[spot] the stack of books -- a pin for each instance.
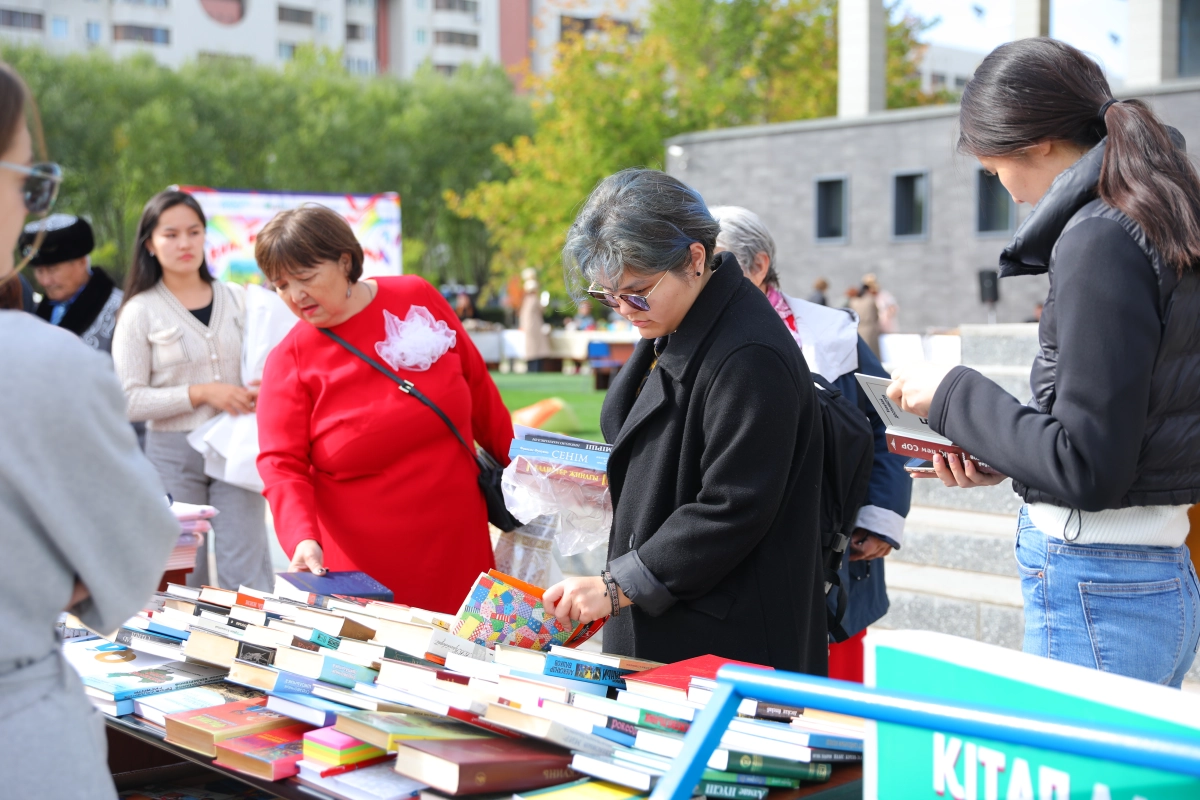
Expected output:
(365, 698)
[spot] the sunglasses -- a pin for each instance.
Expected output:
(41, 184)
(639, 301)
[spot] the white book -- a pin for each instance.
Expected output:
(619, 772)
(474, 667)
(678, 710)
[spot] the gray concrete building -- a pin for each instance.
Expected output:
(885, 191)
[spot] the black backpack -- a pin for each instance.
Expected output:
(848, 455)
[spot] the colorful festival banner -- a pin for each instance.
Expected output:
(236, 217)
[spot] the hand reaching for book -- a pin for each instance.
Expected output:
(961, 473)
(308, 557)
(580, 600)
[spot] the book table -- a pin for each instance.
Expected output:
(138, 749)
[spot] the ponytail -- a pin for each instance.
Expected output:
(1036, 90)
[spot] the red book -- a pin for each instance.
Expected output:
(201, 729)
(479, 766)
(249, 601)
(919, 447)
(271, 755)
(670, 682)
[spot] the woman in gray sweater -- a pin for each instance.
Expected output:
(84, 523)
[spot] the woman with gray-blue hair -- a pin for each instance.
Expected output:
(716, 463)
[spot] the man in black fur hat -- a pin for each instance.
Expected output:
(78, 296)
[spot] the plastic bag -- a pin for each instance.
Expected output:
(528, 552)
(417, 341)
(574, 500)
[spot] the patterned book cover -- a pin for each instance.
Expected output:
(495, 612)
(272, 755)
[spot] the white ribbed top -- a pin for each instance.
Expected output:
(1149, 526)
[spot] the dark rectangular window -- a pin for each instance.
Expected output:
(831, 209)
(469, 6)
(445, 69)
(910, 200)
(141, 33)
(21, 19)
(995, 206)
(355, 32)
(300, 16)
(456, 38)
(1189, 38)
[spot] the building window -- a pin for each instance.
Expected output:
(831, 209)
(469, 6)
(456, 38)
(1189, 38)
(996, 212)
(141, 33)
(360, 66)
(93, 32)
(420, 36)
(287, 51)
(58, 28)
(299, 16)
(910, 205)
(226, 12)
(355, 32)
(569, 25)
(937, 81)
(323, 23)
(445, 69)
(21, 19)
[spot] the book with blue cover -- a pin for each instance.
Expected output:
(559, 454)
(270, 679)
(579, 670)
(316, 711)
(305, 587)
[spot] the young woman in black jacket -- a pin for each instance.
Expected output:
(1107, 454)
(715, 470)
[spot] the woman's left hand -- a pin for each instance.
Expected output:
(962, 473)
(914, 386)
(580, 600)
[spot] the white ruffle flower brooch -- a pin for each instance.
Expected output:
(415, 342)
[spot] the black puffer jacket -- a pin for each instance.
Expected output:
(1115, 416)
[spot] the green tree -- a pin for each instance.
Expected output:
(616, 95)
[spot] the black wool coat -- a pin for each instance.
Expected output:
(715, 476)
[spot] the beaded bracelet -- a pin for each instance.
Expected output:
(614, 595)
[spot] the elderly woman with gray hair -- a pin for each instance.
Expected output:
(717, 444)
(829, 340)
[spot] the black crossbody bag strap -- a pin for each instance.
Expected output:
(405, 386)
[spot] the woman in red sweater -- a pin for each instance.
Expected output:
(359, 475)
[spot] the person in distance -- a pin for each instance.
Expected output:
(84, 521)
(1107, 453)
(361, 476)
(716, 464)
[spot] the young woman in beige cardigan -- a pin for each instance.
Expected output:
(177, 349)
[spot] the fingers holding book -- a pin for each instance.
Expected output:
(954, 471)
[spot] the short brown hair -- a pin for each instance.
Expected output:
(303, 237)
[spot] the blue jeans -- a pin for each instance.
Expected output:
(1127, 609)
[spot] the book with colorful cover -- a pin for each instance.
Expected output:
(271, 755)
(580, 670)
(503, 610)
(200, 730)
(309, 588)
(156, 707)
(559, 454)
(387, 730)
(115, 672)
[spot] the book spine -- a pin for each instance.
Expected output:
(749, 764)
(920, 448)
(561, 667)
(250, 601)
(614, 735)
(342, 673)
(820, 741)
(442, 643)
(774, 711)
(773, 781)
(519, 776)
(579, 445)
(825, 756)
(661, 722)
(305, 644)
(291, 682)
(325, 640)
(572, 739)
(735, 791)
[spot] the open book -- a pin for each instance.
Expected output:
(907, 434)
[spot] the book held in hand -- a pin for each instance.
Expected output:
(907, 434)
(310, 589)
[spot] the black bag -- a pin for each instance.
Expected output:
(848, 455)
(490, 471)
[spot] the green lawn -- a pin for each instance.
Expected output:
(519, 391)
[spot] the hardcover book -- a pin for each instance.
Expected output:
(308, 588)
(907, 434)
(388, 730)
(670, 682)
(306, 708)
(114, 672)
(156, 707)
(484, 765)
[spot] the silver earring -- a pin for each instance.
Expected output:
(349, 289)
